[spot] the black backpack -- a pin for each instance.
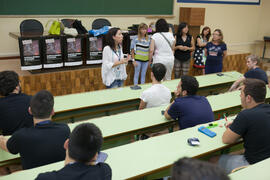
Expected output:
(79, 27)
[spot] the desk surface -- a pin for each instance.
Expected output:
(136, 120)
(16, 35)
(258, 171)
(143, 157)
(109, 96)
(158, 152)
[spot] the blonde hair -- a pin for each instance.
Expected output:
(142, 26)
(221, 36)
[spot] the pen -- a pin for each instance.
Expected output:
(225, 117)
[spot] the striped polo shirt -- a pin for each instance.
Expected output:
(141, 48)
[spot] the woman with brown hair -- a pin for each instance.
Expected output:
(199, 54)
(183, 47)
(113, 69)
(215, 51)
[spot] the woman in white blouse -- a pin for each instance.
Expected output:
(113, 62)
(161, 47)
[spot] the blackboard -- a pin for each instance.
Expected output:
(86, 7)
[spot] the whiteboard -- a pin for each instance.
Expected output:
(249, 2)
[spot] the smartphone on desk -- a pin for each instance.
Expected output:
(220, 74)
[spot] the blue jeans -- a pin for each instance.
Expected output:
(116, 83)
(141, 67)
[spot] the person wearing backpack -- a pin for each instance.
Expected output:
(161, 47)
(183, 48)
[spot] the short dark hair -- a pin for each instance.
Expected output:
(85, 141)
(194, 169)
(109, 37)
(9, 80)
(255, 88)
(159, 71)
(41, 104)
(162, 26)
(190, 84)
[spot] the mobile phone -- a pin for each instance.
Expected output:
(220, 74)
(101, 157)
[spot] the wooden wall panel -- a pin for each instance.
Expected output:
(84, 80)
(235, 62)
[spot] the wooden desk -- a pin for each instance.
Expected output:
(258, 171)
(110, 101)
(16, 35)
(148, 157)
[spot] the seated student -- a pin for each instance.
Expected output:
(13, 105)
(81, 153)
(253, 72)
(188, 108)
(194, 169)
(252, 124)
(157, 94)
(43, 143)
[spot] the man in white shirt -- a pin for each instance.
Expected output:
(157, 94)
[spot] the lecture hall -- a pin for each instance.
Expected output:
(143, 90)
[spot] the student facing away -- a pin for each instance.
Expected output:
(188, 108)
(157, 94)
(81, 153)
(14, 105)
(43, 143)
(194, 169)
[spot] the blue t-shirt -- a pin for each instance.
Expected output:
(215, 53)
(191, 111)
(257, 73)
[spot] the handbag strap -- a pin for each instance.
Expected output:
(167, 40)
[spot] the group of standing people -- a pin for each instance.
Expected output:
(208, 55)
(174, 52)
